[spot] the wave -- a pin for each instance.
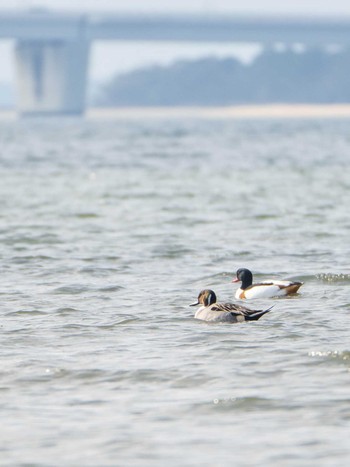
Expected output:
(331, 277)
(332, 354)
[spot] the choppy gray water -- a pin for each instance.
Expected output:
(110, 229)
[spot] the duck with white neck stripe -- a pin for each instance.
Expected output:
(224, 312)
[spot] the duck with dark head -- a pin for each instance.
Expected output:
(264, 289)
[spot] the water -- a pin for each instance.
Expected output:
(109, 229)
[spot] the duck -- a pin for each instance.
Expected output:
(224, 312)
(263, 289)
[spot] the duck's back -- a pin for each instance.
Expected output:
(209, 314)
(268, 289)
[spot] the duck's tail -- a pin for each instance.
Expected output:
(258, 314)
(294, 287)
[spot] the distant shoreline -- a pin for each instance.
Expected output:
(232, 112)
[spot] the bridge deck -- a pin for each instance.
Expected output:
(46, 25)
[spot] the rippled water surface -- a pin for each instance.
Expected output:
(109, 229)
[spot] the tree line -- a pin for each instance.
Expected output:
(313, 76)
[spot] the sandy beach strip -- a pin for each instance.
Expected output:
(232, 112)
(272, 111)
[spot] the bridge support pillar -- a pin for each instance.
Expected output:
(51, 76)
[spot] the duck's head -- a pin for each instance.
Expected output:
(206, 297)
(243, 275)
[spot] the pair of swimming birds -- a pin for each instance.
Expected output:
(210, 310)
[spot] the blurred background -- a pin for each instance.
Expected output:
(119, 71)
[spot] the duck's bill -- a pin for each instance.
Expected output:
(235, 279)
(194, 304)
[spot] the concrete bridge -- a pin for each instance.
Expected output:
(52, 49)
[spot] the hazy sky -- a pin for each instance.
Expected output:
(114, 57)
(258, 6)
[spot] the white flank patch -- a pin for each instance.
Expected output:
(263, 291)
